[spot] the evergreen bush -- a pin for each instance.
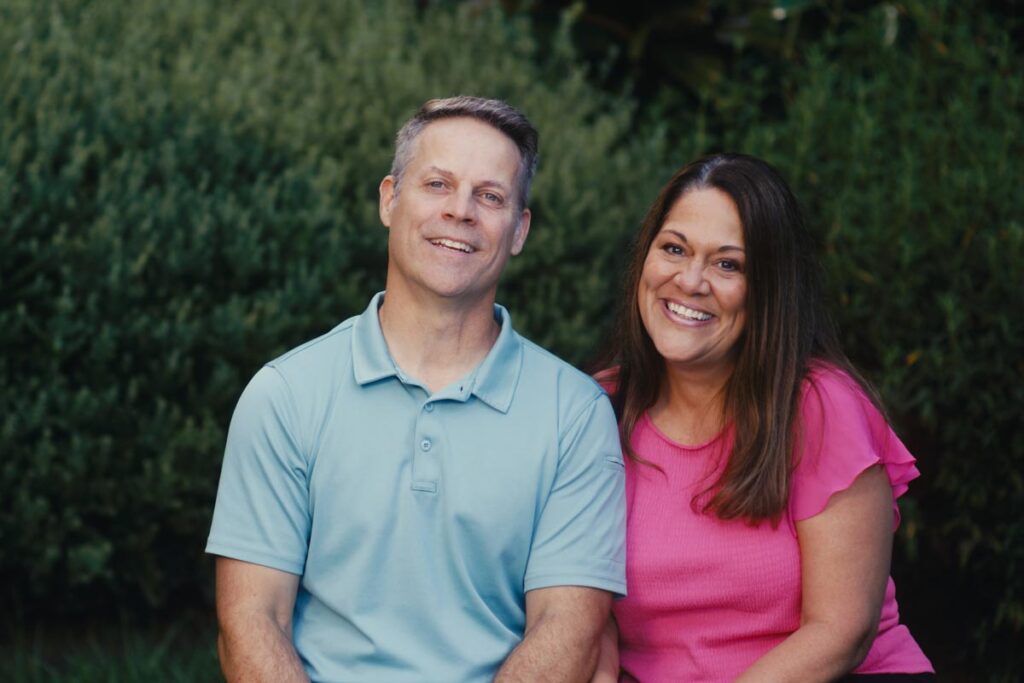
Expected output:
(903, 136)
(188, 188)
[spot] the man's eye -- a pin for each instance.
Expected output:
(436, 184)
(492, 198)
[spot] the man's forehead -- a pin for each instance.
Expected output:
(448, 142)
(466, 123)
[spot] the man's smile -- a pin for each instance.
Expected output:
(452, 244)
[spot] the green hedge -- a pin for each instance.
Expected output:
(910, 157)
(188, 188)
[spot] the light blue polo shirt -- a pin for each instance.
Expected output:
(417, 522)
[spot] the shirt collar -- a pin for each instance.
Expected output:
(371, 360)
(493, 381)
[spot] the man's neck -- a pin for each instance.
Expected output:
(436, 341)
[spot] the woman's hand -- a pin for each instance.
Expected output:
(844, 559)
(608, 663)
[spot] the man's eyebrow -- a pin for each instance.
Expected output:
(724, 247)
(495, 184)
(484, 183)
(440, 171)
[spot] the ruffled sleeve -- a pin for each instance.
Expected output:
(843, 434)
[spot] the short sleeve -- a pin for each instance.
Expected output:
(580, 539)
(842, 434)
(262, 510)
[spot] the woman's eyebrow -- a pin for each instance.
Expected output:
(724, 247)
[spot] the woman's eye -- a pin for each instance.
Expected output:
(729, 265)
(673, 249)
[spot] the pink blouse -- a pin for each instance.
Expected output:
(708, 597)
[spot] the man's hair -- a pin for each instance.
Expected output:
(503, 117)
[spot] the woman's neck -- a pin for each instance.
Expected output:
(691, 407)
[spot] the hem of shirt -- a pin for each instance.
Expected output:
(255, 557)
(612, 585)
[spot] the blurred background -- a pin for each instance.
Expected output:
(188, 188)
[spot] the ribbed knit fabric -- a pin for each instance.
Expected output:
(706, 597)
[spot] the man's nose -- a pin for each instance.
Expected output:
(460, 206)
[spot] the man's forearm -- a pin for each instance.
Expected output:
(553, 652)
(258, 650)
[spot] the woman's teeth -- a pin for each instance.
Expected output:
(688, 313)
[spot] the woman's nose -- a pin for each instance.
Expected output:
(691, 277)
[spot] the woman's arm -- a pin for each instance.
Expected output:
(844, 559)
(608, 663)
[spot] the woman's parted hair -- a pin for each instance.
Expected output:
(787, 327)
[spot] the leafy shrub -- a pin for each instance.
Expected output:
(903, 136)
(189, 189)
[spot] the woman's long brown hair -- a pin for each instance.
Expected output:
(787, 329)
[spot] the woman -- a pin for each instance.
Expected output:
(762, 475)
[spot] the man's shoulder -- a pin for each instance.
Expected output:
(542, 365)
(313, 358)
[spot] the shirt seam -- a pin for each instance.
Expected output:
(293, 405)
(587, 408)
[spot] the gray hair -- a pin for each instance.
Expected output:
(504, 117)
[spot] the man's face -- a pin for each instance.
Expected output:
(456, 219)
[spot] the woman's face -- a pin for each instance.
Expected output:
(692, 293)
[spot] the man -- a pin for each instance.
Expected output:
(421, 494)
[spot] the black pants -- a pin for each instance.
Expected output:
(888, 678)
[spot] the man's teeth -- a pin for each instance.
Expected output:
(452, 244)
(685, 312)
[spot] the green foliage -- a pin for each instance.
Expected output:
(907, 149)
(180, 651)
(188, 188)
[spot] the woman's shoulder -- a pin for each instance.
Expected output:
(608, 379)
(843, 433)
(836, 408)
(831, 377)
(829, 392)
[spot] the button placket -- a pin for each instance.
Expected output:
(426, 467)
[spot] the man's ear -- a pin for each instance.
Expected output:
(521, 231)
(387, 199)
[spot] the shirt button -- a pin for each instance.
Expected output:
(429, 407)
(425, 444)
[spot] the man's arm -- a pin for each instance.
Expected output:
(254, 613)
(563, 636)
